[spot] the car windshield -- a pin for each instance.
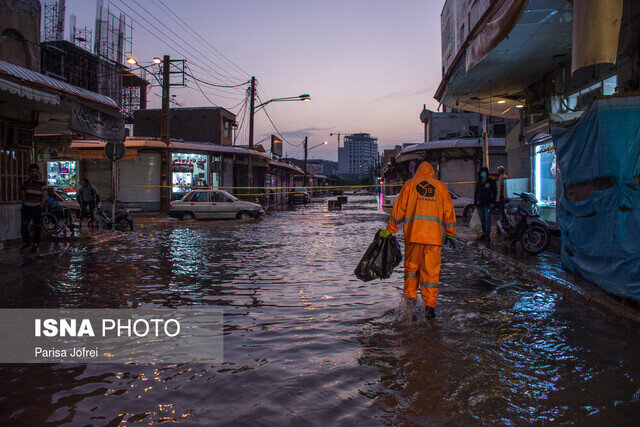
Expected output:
(230, 196)
(301, 190)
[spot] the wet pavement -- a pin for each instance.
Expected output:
(306, 342)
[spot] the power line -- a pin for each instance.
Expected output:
(216, 85)
(173, 43)
(276, 128)
(205, 57)
(279, 119)
(204, 40)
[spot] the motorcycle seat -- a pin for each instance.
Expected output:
(511, 208)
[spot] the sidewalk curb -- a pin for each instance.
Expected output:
(591, 293)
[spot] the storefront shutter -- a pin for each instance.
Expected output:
(139, 181)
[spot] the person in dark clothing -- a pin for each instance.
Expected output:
(502, 176)
(88, 197)
(484, 200)
(33, 198)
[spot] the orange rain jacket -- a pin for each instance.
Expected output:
(424, 206)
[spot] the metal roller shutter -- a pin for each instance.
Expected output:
(139, 181)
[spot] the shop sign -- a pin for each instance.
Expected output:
(183, 164)
(91, 122)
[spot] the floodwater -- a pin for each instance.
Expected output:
(306, 342)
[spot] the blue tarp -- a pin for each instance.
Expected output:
(601, 235)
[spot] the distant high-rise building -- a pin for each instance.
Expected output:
(358, 154)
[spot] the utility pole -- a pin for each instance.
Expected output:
(485, 142)
(251, 115)
(165, 190)
(306, 151)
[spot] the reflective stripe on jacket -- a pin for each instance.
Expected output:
(424, 206)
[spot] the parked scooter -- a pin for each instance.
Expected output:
(523, 224)
(123, 218)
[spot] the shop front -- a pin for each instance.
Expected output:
(544, 174)
(63, 174)
(189, 170)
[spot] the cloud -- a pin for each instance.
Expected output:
(299, 133)
(403, 94)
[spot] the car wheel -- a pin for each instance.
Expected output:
(187, 216)
(467, 212)
(243, 215)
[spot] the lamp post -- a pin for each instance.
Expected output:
(307, 149)
(252, 111)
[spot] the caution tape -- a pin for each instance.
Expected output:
(317, 187)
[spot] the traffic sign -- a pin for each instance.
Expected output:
(412, 166)
(114, 151)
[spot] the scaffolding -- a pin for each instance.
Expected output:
(81, 37)
(98, 65)
(113, 44)
(54, 20)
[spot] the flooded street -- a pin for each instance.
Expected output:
(307, 342)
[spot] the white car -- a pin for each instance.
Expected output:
(70, 202)
(462, 205)
(213, 204)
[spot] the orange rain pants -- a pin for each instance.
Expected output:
(422, 269)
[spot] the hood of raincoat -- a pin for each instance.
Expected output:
(425, 170)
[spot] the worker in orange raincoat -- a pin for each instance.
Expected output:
(424, 207)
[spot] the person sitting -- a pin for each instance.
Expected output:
(102, 217)
(53, 206)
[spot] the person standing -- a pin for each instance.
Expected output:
(87, 196)
(33, 198)
(485, 199)
(502, 175)
(424, 206)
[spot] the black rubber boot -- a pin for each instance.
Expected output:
(430, 312)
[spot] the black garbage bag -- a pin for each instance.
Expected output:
(381, 257)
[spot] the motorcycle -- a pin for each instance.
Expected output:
(123, 220)
(523, 224)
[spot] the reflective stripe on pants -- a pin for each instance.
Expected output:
(422, 270)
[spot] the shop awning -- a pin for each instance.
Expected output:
(32, 78)
(294, 169)
(411, 152)
(85, 154)
(500, 64)
(137, 142)
(29, 93)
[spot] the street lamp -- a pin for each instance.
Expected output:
(252, 111)
(307, 149)
(304, 97)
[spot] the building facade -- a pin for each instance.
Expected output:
(358, 155)
(541, 62)
(213, 125)
(39, 115)
(454, 123)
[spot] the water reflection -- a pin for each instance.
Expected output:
(306, 342)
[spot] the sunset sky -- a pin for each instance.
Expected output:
(369, 65)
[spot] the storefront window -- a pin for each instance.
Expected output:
(63, 175)
(545, 179)
(188, 171)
